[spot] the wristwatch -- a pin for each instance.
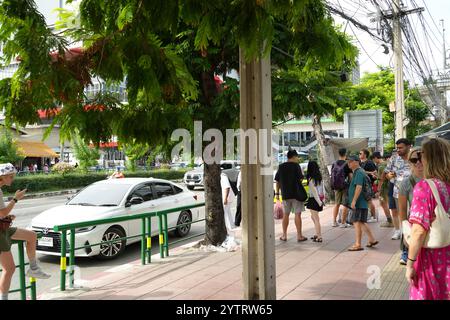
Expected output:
(15, 200)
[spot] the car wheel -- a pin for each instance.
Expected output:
(182, 231)
(114, 249)
(191, 187)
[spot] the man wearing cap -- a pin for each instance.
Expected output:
(289, 178)
(8, 233)
(359, 205)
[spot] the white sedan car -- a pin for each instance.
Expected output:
(113, 198)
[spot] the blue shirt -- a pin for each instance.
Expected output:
(357, 180)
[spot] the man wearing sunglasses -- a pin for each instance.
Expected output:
(396, 171)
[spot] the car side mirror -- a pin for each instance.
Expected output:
(133, 201)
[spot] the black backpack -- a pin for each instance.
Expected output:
(367, 190)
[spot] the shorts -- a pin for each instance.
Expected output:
(341, 197)
(359, 215)
(312, 204)
(392, 204)
(5, 239)
(293, 205)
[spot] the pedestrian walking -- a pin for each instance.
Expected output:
(316, 198)
(359, 205)
(371, 170)
(396, 171)
(8, 233)
(428, 270)
(383, 189)
(405, 194)
(227, 198)
(340, 180)
(238, 216)
(289, 178)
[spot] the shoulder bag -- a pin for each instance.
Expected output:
(439, 233)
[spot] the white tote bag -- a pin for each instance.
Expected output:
(439, 233)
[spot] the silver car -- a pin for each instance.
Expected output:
(194, 178)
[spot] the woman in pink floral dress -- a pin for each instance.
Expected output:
(428, 270)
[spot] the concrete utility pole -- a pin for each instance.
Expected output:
(258, 239)
(400, 113)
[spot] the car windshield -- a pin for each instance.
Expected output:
(101, 194)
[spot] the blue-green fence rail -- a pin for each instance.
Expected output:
(145, 235)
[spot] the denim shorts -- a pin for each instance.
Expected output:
(392, 204)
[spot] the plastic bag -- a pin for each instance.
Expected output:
(278, 211)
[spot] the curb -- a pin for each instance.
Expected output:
(57, 193)
(44, 194)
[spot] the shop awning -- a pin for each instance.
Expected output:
(35, 149)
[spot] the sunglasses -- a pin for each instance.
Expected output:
(416, 160)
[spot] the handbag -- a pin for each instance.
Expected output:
(278, 211)
(5, 223)
(439, 234)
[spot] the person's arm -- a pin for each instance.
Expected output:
(313, 189)
(227, 193)
(402, 207)
(277, 191)
(358, 190)
(7, 209)
(418, 235)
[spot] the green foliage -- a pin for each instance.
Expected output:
(50, 182)
(134, 152)
(87, 156)
(9, 151)
(377, 91)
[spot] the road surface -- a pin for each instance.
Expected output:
(26, 210)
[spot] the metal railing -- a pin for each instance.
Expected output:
(22, 277)
(145, 235)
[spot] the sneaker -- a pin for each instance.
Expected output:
(335, 224)
(38, 274)
(372, 220)
(403, 262)
(349, 225)
(387, 224)
(344, 225)
(397, 235)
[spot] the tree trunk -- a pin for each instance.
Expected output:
(323, 157)
(216, 231)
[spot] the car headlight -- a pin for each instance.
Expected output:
(85, 229)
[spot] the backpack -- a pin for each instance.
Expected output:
(367, 190)
(338, 177)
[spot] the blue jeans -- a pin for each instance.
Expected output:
(404, 255)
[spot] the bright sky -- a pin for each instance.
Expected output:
(371, 53)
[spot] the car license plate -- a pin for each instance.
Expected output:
(45, 242)
(191, 183)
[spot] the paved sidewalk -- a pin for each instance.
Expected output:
(307, 270)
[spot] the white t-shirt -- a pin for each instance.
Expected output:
(239, 181)
(225, 184)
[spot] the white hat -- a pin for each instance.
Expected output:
(7, 169)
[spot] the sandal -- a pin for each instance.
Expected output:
(372, 244)
(313, 238)
(302, 239)
(355, 248)
(318, 239)
(283, 238)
